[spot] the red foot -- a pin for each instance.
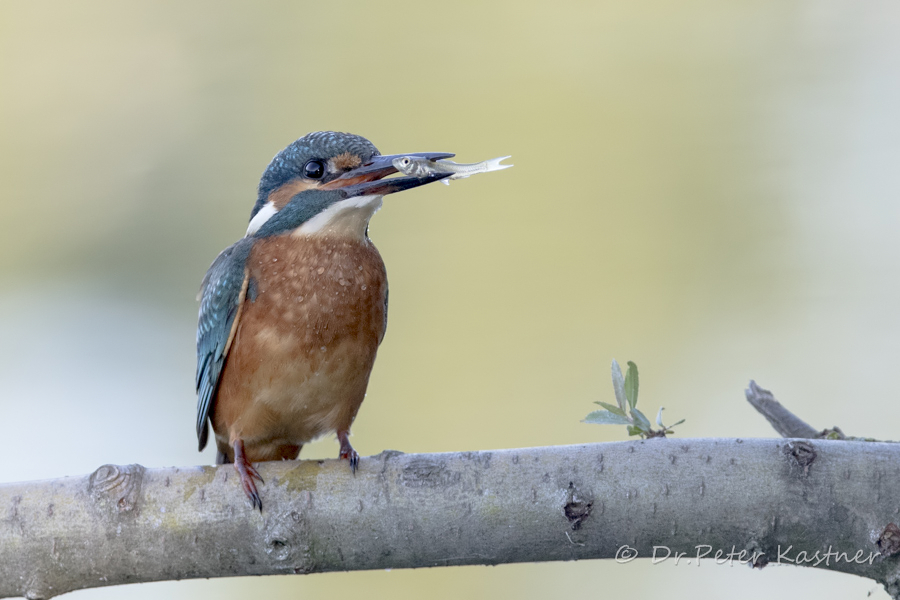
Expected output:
(347, 451)
(247, 474)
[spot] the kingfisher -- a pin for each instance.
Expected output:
(291, 316)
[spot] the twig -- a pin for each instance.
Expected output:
(789, 425)
(786, 423)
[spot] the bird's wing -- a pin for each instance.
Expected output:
(222, 294)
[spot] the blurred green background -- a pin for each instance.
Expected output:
(709, 189)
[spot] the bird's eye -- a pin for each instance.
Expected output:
(314, 169)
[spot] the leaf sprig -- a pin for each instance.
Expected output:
(625, 411)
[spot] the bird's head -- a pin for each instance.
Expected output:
(328, 181)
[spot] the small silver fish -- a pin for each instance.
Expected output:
(417, 166)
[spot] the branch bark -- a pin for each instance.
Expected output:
(797, 501)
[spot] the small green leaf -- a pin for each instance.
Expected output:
(640, 420)
(632, 430)
(631, 384)
(605, 417)
(619, 385)
(674, 424)
(659, 417)
(613, 409)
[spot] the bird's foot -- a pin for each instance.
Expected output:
(347, 451)
(247, 473)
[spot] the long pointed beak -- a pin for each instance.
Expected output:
(382, 187)
(366, 179)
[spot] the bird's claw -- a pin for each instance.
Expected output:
(353, 457)
(248, 473)
(347, 452)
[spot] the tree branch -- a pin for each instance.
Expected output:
(776, 500)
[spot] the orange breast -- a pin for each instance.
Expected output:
(301, 357)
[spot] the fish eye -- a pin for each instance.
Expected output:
(405, 161)
(314, 169)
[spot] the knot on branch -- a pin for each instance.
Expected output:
(576, 509)
(889, 540)
(278, 548)
(803, 454)
(758, 557)
(117, 487)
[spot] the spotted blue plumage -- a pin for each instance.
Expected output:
(219, 302)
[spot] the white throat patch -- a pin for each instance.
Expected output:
(348, 217)
(259, 219)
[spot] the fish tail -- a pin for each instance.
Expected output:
(494, 164)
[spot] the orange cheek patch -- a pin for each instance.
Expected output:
(345, 162)
(281, 196)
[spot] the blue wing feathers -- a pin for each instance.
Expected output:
(220, 298)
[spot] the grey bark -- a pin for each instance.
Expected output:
(800, 501)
